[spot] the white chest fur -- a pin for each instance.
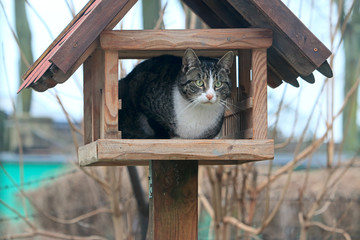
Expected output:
(193, 120)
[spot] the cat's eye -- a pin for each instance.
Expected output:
(199, 83)
(218, 84)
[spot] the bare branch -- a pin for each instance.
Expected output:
(233, 221)
(23, 58)
(324, 227)
(206, 205)
(30, 224)
(74, 129)
(160, 21)
(51, 235)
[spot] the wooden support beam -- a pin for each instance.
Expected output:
(206, 39)
(259, 91)
(244, 68)
(110, 99)
(88, 105)
(173, 200)
(97, 86)
(93, 83)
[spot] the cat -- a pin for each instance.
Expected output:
(168, 97)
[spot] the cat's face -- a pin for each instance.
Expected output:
(205, 80)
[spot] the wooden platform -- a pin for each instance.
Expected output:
(119, 152)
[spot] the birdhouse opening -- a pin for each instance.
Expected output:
(237, 122)
(244, 131)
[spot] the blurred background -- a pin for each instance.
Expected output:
(310, 190)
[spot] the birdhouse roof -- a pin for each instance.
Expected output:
(295, 51)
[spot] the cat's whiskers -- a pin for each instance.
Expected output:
(191, 105)
(226, 105)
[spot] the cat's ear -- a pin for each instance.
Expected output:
(226, 61)
(190, 60)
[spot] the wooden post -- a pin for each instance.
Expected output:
(93, 83)
(259, 91)
(110, 98)
(97, 86)
(88, 104)
(173, 200)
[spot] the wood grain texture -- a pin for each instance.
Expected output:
(138, 152)
(87, 153)
(245, 117)
(88, 105)
(292, 40)
(274, 79)
(281, 67)
(144, 54)
(249, 13)
(98, 69)
(293, 28)
(244, 66)
(174, 200)
(60, 77)
(183, 39)
(58, 38)
(259, 88)
(94, 75)
(110, 97)
(230, 124)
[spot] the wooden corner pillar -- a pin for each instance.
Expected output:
(173, 196)
(259, 93)
(110, 98)
(101, 101)
(93, 75)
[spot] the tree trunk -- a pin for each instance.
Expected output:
(24, 35)
(352, 52)
(151, 13)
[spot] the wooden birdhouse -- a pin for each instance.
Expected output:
(271, 47)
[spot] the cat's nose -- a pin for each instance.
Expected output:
(209, 96)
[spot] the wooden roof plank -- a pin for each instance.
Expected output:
(42, 65)
(293, 28)
(274, 80)
(310, 78)
(81, 38)
(292, 40)
(325, 70)
(59, 37)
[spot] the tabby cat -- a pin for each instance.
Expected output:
(173, 97)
